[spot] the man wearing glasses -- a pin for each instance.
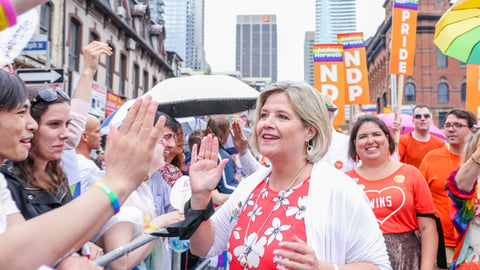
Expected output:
(438, 164)
(414, 146)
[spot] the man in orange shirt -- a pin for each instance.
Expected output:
(438, 164)
(413, 147)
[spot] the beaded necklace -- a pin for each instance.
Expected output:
(243, 258)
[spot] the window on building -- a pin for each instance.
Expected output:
(442, 61)
(409, 92)
(74, 45)
(441, 118)
(462, 65)
(46, 19)
(110, 68)
(145, 81)
(463, 90)
(154, 81)
(93, 36)
(123, 73)
(442, 93)
(384, 99)
(135, 81)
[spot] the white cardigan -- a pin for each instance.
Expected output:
(339, 222)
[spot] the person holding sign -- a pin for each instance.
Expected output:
(413, 147)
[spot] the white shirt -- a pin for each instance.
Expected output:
(337, 154)
(88, 172)
(7, 205)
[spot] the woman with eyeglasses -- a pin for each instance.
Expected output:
(398, 194)
(39, 183)
(46, 238)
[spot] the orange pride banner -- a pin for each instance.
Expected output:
(329, 73)
(356, 73)
(473, 89)
(404, 34)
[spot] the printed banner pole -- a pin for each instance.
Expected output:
(398, 115)
(356, 73)
(329, 74)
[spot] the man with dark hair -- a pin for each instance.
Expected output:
(438, 164)
(415, 145)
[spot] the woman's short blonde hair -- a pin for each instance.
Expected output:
(311, 109)
(471, 146)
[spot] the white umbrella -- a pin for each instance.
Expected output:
(193, 96)
(203, 95)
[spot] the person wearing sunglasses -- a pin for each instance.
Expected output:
(46, 238)
(39, 183)
(437, 165)
(414, 146)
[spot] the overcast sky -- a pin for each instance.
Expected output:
(294, 18)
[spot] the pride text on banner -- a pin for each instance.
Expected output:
(404, 33)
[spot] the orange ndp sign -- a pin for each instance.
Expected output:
(356, 73)
(404, 33)
(473, 89)
(329, 73)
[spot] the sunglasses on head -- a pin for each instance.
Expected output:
(419, 116)
(48, 95)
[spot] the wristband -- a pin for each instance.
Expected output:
(113, 197)
(9, 12)
(151, 228)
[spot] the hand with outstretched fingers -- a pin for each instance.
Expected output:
(240, 141)
(204, 171)
(130, 149)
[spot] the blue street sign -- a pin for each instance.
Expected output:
(36, 47)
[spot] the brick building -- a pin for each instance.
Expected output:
(438, 81)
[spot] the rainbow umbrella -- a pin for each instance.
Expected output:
(457, 33)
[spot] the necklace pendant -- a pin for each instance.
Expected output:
(243, 260)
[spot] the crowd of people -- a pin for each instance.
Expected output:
(324, 200)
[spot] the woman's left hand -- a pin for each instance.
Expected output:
(297, 255)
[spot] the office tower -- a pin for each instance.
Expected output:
(184, 23)
(308, 58)
(256, 46)
(334, 17)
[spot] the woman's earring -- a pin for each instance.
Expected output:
(309, 147)
(357, 159)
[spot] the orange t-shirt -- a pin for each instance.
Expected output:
(412, 151)
(397, 198)
(436, 167)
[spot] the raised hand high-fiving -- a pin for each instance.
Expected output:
(204, 171)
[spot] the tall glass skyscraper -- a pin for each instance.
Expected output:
(334, 17)
(184, 23)
(256, 46)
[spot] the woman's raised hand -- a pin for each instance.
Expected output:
(204, 171)
(129, 151)
(240, 141)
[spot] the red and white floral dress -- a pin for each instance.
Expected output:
(268, 218)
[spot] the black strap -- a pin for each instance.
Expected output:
(186, 228)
